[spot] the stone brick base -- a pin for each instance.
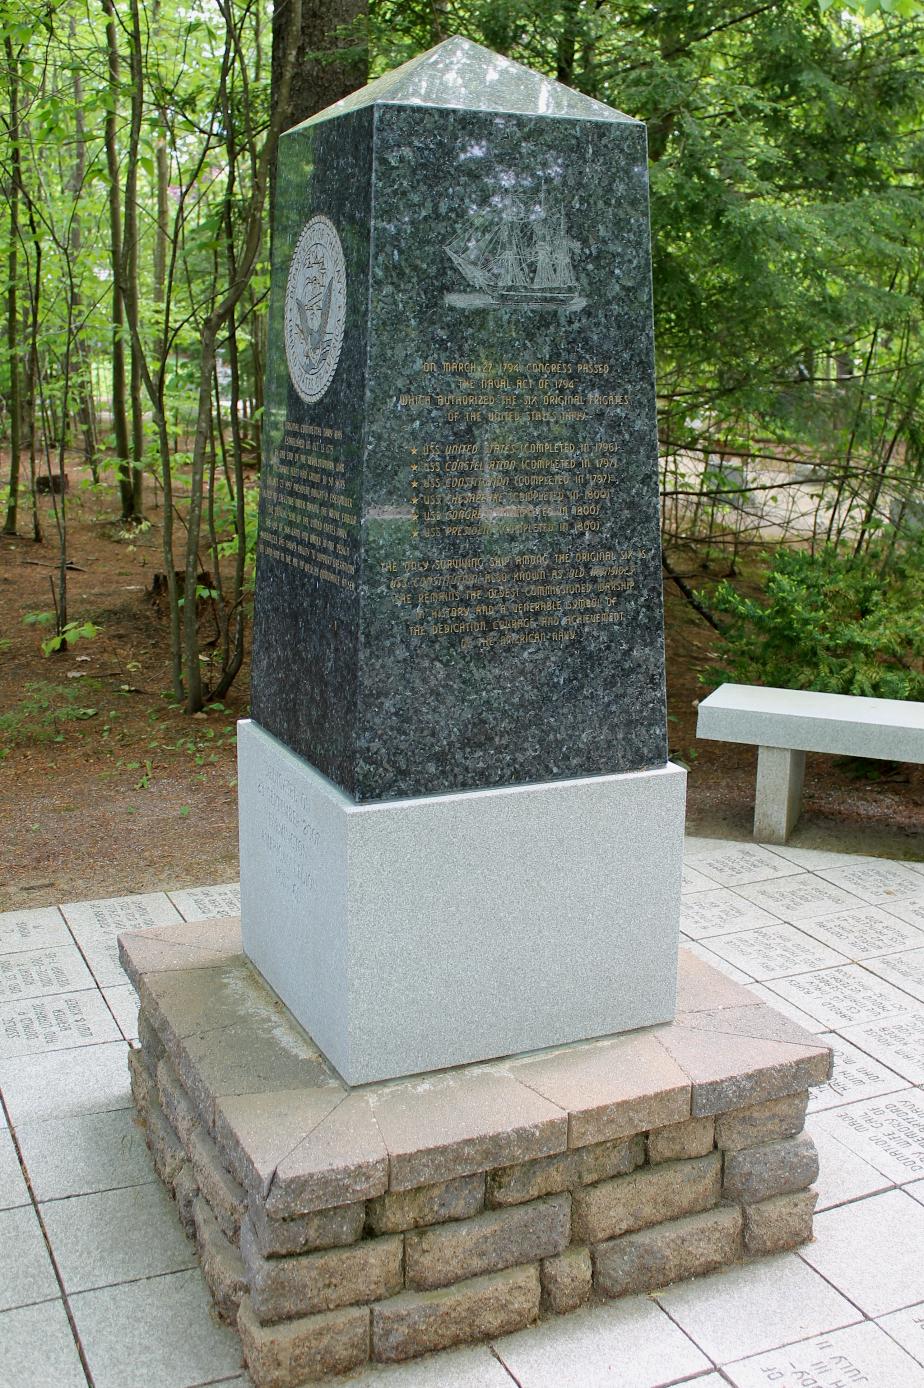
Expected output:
(337, 1225)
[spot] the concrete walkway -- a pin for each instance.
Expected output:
(99, 1286)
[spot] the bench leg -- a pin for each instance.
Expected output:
(778, 800)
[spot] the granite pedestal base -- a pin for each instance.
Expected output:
(337, 1225)
(411, 935)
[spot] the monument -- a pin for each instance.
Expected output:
(460, 836)
(464, 1100)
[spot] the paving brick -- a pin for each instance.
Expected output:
(398, 1210)
(680, 1248)
(221, 1263)
(566, 1280)
(480, 1309)
(776, 1168)
(602, 1160)
(175, 1103)
(255, 1132)
(149, 1041)
(141, 1079)
(768, 1122)
(513, 1185)
(227, 1199)
(185, 1191)
(166, 1149)
(454, 1125)
(304, 1350)
(783, 1221)
(281, 1288)
(694, 1137)
(729, 1071)
(343, 1160)
(610, 1089)
(497, 1239)
(645, 1197)
(323, 1229)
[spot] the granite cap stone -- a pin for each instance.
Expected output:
(462, 75)
(200, 945)
(344, 1159)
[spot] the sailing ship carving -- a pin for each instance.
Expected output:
(514, 261)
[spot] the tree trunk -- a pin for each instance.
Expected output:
(12, 306)
(119, 411)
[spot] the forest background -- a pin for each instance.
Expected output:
(786, 146)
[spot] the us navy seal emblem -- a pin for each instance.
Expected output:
(315, 311)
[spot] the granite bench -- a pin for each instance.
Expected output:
(784, 724)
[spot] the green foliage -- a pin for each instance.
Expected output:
(832, 622)
(45, 711)
(70, 633)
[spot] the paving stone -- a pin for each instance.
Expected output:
(888, 1132)
(143, 1083)
(122, 1002)
(451, 1253)
(332, 1228)
(84, 1153)
(754, 1020)
(768, 1122)
(600, 1161)
(879, 882)
(800, 898)
(116, 1236)
(453, 1125)
(651, 1258)
(513, 1185)
(775, 951)
(13, 1188)
(856, 1076)
(864, 933)
(699, 950)
(61, 1022)
(776, 1168)
(905, 969)
(26, 1273)
(730, 1071)
(632, 1344)
(756, 1306)
(255, 1132)
(343, 1160)
(719, 911)
(148, 1040)
(889, 1229)
(733, 864)
(201, 903)
(282, 1288)
(448, 1368)
(645, 1197)
(286, 1356)
(844, 996)
(221, 1263)
(810, 859)
(694, 1137)
(204, 944)
(38, 1348)
(155, 1333)
(36, 929)
(842, 1175)
(566, 1280)
(168, 1153)
(782, 1222)
(763, 994)
(398, 1210)
(910, 908)
(907, 1327)
(93, 1079)
(480, 1309)
(703, 983)
(610, 1089)
(226, 1196)
(861, 1354)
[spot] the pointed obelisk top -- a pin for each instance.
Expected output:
(460, 74)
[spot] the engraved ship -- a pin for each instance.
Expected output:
(512, 261)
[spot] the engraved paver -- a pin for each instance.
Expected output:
(845, 996)
(897, 1041)
(875, 882)
(39, 973)
(693, 881)
(887, 1132)
(907, 1327)
(55, 1023)
(774, 951)
(856, 1076)
(719, 911)
(37, 929)
(799, 898)
(733, 864)
(864, 933)
(871, 1251)
(96, 925)
(198, 903)
(905, 970)
(860, 1354)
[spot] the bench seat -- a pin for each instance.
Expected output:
(784, 724)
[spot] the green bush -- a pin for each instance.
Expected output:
(832, 622)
